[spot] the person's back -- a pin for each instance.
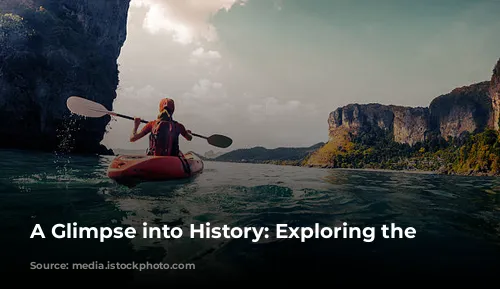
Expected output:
(164, 138)
(164, 131)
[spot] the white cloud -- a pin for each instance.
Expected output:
(206, 90)
(211, 54)
(141, 101)
(187, 21)
(200, 55)
(206, 102)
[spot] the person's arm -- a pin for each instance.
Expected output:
(185, 133)
(145, 130)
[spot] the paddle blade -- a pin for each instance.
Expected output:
(85, 107)
(220, 141)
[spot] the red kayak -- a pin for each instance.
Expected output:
(126, 169)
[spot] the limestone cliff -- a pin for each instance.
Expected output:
(411, 124)
(495, 96)
(355, 117)
(465, 109)
(454, 135)
(408, 125)
(50, 50)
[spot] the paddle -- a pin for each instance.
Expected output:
(89, 108)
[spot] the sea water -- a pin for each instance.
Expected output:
(455, 221)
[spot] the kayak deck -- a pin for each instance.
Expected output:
(143, 168)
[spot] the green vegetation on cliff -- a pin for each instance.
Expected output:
(480, 154)
(470, 154)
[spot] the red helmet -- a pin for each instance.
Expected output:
(168, 104)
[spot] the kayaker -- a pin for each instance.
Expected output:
(164, 131)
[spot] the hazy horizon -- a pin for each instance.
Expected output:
(268, 73)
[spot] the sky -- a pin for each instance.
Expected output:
(268, 72)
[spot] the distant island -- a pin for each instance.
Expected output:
(280, 156)
(457, 134)
(212, 155)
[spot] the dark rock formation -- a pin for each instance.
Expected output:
(50, 50)
(465, 109)
(495, 96)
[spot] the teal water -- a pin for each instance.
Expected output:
(456, 218)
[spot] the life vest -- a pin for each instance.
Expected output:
(164, 139)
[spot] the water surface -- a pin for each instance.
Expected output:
(457, 220)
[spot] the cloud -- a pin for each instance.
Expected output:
(204, 89)
(200, 55)
(187, 21)
(202, 86)
(206, 102)
(141, 101)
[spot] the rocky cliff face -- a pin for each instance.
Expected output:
(408, 125)
(411, 124)
(465, 109)
(495, 96)
(50, 50)
(355, 116)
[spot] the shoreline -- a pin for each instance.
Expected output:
(394, 171)
(347, 169)
(437, 173)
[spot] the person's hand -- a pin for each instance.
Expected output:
(189, 131)
(137, 121)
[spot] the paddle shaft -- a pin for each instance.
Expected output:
(199, 135)
(128, 117)
(145, 121)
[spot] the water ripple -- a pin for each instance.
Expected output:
(51, 189)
